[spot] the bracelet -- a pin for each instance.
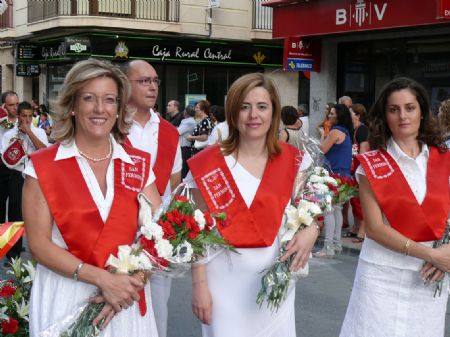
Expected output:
(76, 273)
(407, 244)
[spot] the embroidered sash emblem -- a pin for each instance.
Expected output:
(218, 188)
(132, 176)
(379, 165)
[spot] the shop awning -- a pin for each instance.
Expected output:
(323, 17)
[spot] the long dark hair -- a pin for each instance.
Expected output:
(379, 132)
(344, 118)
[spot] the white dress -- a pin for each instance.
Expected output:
(389, 298)
(54, 297)
(234, 281)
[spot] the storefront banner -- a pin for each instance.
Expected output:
(32, 52)
(186, 51)
(77, 46)
(344, 16)
(301, 54)
(444, 9)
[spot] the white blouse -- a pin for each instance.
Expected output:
(103, 203)
(415, 172)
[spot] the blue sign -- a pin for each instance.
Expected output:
(300, 64)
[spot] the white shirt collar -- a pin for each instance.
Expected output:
(68, 150)
(396, 152)
(154, 118)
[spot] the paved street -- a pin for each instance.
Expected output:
(320, 305)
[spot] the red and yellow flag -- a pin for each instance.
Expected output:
(10, 232)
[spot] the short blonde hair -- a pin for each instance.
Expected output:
(235, 97)
(80, 74)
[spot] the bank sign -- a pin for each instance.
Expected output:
(186, 51)
(301, 54)
(343, 16)
(444, 9)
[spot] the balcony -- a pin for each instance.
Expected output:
(262, 16)
(161, 10)
(6, 19)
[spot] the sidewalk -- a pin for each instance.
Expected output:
(348, 247)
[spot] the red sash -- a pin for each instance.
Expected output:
(75, 213)
(167, 149)
(258, 225)
(425, 222)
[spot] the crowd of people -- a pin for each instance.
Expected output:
(111, 144)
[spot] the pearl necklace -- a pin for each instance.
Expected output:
(96, 160)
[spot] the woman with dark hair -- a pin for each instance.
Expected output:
(292, 132)
(185, 129)
(360, 145)
(220, 130)
(199, 137)
(337, 147)
(238, 176)
(404, 191)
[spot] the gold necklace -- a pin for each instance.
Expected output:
(96, 160)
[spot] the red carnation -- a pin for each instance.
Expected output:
(7, 291)
(181, 198)
(10, 326)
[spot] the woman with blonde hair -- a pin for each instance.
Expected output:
(80, 204)
(238, 177)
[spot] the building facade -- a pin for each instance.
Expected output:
(198, 47)
(365, 43)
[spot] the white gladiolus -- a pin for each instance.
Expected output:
(312, 208)
(152, 231)
(164, 248)
(200, 219)
(321, 187)
(315, 179)
(330, 180)
(292, 218)
(125, 262)
(22, 309)
(30, 269)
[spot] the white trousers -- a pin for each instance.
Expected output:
(160, 290)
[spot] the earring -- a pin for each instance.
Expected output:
(73, 113)
(117, 116)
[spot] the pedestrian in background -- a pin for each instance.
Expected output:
(185, 129)
(404, 191)
(337, 147)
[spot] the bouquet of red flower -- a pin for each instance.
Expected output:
(169, 241)
(14, 298)
(180, 235)
(346, 189)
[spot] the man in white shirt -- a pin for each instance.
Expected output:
(155, 135)
(31, 139)
(303, 113)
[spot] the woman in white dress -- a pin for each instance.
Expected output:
(404, 191)
(250, 176)
(80, 204)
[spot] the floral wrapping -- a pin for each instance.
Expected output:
(169, 241)
(311, 198)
